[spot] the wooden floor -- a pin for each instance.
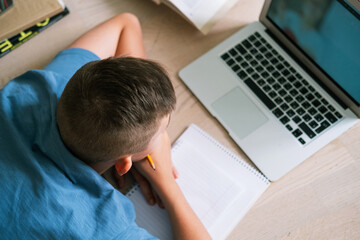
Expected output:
(320, 199)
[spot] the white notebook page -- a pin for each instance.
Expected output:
(216, 185)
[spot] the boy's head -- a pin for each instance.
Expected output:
(114, 107)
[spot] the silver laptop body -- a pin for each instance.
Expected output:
(262, 124)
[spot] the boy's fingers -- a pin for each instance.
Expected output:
(158, 200)
(144, 186)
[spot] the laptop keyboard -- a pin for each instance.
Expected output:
(298, 106)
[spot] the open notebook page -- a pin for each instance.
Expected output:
(218, 195)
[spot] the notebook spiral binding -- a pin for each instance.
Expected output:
(232, 155)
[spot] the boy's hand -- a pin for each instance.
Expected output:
(161, 153)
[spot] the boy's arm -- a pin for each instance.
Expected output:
(120, 35)
(184, 222)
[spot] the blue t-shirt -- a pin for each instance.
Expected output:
(45, 191)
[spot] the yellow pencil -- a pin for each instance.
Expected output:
(150, 161)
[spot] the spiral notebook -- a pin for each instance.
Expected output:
(219, 186)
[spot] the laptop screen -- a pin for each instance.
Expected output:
(328, 32)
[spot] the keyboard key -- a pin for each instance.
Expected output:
(290, 113)
(291, 78)
(270, 68)
(316, 103)
(259, 57)
(282, 92)
(246, 44)
(307, 117)
(244, 64)
(233, 52)
(310, 97)
(297, 84)
(265, 74)
(267, 88)
(307, 130)
(276, 74)
(329, 116)
(281, 80)
(322, 109)
(297, 133)
(252, 38)
(331, 108)
(305, 82)
(240, 49)
(294, 105)
(257, 34)
(304, 90)
(276, 86)
(239, 58)
(319, 118)
(317, 95)
(253, 63)
(260, 94)
(242, 74)
(311, 89)
(278, 100)
(278, 113)
(312, 111)
(272, 94)
(285, 72)
(261, 82)
(279, 67)
(287, 86)
(230, 62)
(265, 62)
(248, 57)
(313, 124)
(288, 99)
(324, 101)
(259, 68)
(292, 70)
(250, 70)
(274, 61)
(289, 127)
(235, 68)
(302, 141)
(225, 56)
(257, 44)
(296, 119)
(254, 51)
(306, 105)
(284, 107)
(270, 80)
(294, 92)
(300, 111)
(338, 114)
(325, 124)
(300, 99)
(284, 120)
(255, 76)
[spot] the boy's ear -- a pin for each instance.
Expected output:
(123, 165)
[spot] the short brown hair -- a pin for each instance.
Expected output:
(113, 107)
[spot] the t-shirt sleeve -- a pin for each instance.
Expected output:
(68, 61)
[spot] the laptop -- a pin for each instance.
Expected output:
(285, 86)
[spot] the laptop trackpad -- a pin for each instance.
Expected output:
(239, 113)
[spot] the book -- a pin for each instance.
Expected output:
(203, 14)
(15, 41)
(219, 186)
(24, 14)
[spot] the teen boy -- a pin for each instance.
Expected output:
(58, 135)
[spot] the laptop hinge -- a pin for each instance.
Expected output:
(336, 98)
